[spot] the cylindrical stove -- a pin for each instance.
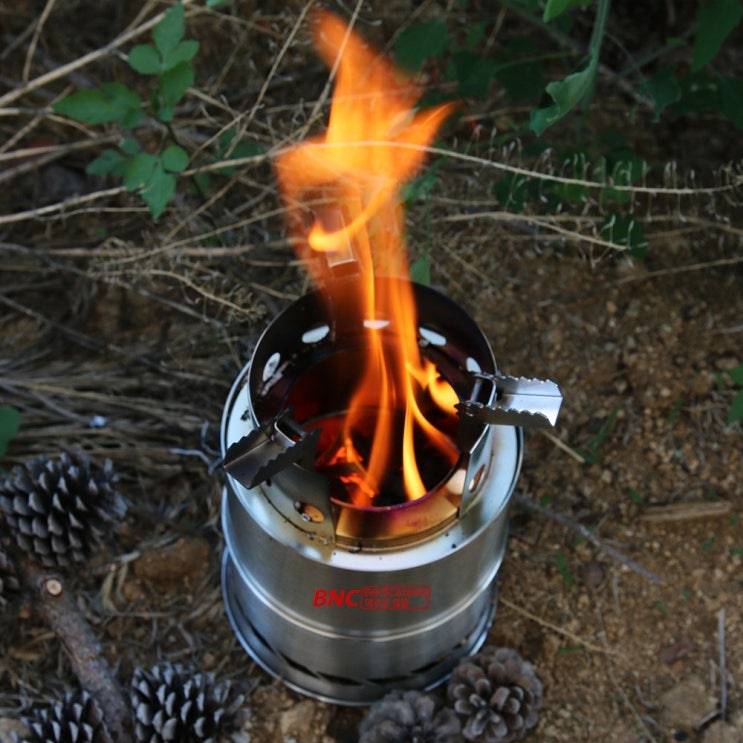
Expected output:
(346, 601)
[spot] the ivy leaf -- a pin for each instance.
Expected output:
(169, 31)
(145, 59)
(174, 159)
(108, 162)
(566, 94)
(554, 8)
(139, 170)
(417, 43)
(159, 190)
(715, 21)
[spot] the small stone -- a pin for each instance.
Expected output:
(592, 575)
(686, 703)
(679, 649)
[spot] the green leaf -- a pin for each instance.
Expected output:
(731, 99)
(735, 413)
(625, 231)
(216, 3)
(169, 31)
(421, 186)
(10, 421)
(566, 94)
(663, 88)
(139, 170)
(244, 148)
(475, 34)
(129, 146)
(420, 270)
(621, 167)
(417, 43)
(109, 161)
(174, 159)
(144, 58)
(473, 74)
(736, 374)
(554, 8)
(562, 565)
(175, 82)
(184, 52)
(99, 105)
(575, 166)
(715, 21)
(164, 113)
(511, 191)
(636, 496)
(158, 191)
(699, 92)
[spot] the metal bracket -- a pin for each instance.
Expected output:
(518, 401)
(268, 450)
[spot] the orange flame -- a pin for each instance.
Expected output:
(342, 190)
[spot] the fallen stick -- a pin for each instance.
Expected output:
(723, 670)
(589, 535)
(73, 631)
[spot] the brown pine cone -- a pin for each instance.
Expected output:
(171, 704)
(76, 719)
(58, 510)
(409, 717)
(496, 695)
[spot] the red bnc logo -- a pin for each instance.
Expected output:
(385, 597)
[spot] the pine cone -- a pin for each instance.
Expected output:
(409, 717)
(496, 694)
(169, 704)
(76, 719)
(8, 578)
(57, 511)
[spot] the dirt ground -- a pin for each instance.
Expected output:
(121, 336)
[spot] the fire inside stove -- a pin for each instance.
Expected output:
(365, 513)
(307, 394)
(342, 193)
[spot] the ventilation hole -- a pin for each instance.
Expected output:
(376, 324)
(434, 338)
(271, 366)
(472, 365)
(315, 334)
(308, 512)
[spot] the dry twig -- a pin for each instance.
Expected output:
(589, 535)
(82, 647)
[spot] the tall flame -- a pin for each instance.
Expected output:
(343, 194)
